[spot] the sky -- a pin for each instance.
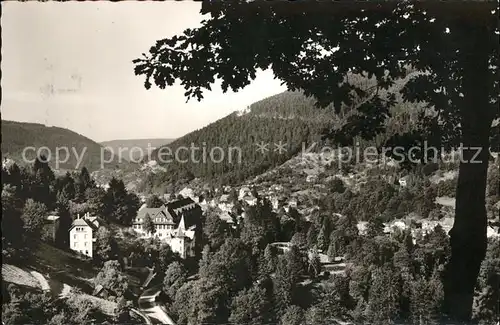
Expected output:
(70, 65)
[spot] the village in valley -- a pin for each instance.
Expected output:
(132, 256)
(335, 189)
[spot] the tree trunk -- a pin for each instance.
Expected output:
(468, 235)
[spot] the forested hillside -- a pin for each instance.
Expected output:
(243, 133)
(289, 117)
(18, 135)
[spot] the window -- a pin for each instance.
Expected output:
(86, 252)
(74, 236)
(159, 234)
(75, 244)
(85, 243)
(85, 236)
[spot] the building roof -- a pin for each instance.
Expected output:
(186, 208)
(225, 216)
(171, 213)
(154, 213)
(179, 233)
(80, 222)
(182, 203)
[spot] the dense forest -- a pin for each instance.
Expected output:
(16, 136)
(243, 279)
(289, 117)
(31, 193)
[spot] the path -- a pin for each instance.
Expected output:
(149, 305)
(44, 284)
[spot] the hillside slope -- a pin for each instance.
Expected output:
(227, 150)
(288, 118)
(133, 149)
(16, 136)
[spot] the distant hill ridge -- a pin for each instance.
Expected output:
(16, 136)
(133, 149)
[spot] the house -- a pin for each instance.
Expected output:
(250, 200)
(7, 162)
(180, 240)
(51, 226)
(226, 216)
(224, 203)
(178, 223)
(277, 188)
(244, 191)
(275, 202)
(311, 178)
(188, 193)
(164, 222)
(82, 234)
(404, 181)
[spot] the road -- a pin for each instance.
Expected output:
(150, 305)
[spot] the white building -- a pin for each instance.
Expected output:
(250, 200)
(175, 223)
(82, 234)
(275, 203)
(164, 222)
(224, 204)
(181, 238)
(188, 193)
(225, 216)
(244, 191)
(311, 178)
(403, 181)
(51, 226)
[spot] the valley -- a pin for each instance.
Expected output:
(328, 219)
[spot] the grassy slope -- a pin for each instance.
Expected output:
(61, 267)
